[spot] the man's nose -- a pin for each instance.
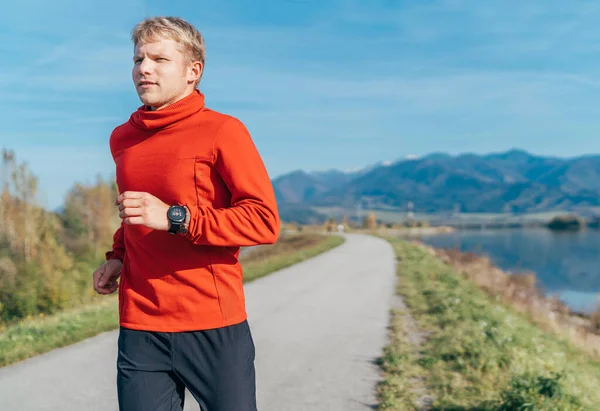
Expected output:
(145, 66)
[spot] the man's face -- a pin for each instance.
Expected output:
(161, 73)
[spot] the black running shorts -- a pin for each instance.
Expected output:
(216, 366)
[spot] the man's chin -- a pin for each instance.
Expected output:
(148, 100)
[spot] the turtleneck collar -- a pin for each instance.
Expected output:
(145, 119)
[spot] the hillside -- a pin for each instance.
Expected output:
(512, 181)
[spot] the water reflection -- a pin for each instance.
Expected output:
(566, 263)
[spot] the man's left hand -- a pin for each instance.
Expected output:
(138, 208)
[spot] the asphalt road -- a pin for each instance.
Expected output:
(318, 327)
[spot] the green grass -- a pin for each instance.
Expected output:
(41, 334)
(288, 251)
(480, 354)
(400, 363)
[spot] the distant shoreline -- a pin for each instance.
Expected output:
(568, 220)
(419, 231)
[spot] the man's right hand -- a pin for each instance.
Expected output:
(105, 277)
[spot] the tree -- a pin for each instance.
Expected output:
(21, 214)
(370, 221)
(90, 217)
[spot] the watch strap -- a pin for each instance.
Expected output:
(174, 227)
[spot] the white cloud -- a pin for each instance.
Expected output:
(353, 169)
(441, 74)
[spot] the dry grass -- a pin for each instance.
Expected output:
(290, 249)
(522, 291)
(286, 243)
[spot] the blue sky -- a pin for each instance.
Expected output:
(320, 84)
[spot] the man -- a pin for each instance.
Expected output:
(193, 189)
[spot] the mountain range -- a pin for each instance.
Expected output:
(513, 181)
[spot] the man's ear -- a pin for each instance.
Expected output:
(196, 71)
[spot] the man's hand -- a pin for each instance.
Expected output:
(105, 277)
(143, 209)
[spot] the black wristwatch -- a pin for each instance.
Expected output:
(176, 216)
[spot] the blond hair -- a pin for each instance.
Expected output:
(174, 28)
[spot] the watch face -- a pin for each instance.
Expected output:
(176, 214)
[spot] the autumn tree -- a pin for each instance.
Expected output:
(41, 270)
(370, 221)
(90, 217)
(21, 215)
(32, 262)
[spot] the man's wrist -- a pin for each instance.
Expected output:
(175, 224)
(185, 226)
(112, 255)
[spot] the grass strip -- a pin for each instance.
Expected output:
(34, 336)
(479, 354)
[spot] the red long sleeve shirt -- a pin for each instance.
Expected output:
(190, 155)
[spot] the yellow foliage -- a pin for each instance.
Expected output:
(49, 257)
(370, 221)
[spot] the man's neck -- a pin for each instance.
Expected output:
(184, 95)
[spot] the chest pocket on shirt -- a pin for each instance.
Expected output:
(204, 176)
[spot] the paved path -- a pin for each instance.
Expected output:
(318, 326)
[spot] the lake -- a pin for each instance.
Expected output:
(566, 263)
